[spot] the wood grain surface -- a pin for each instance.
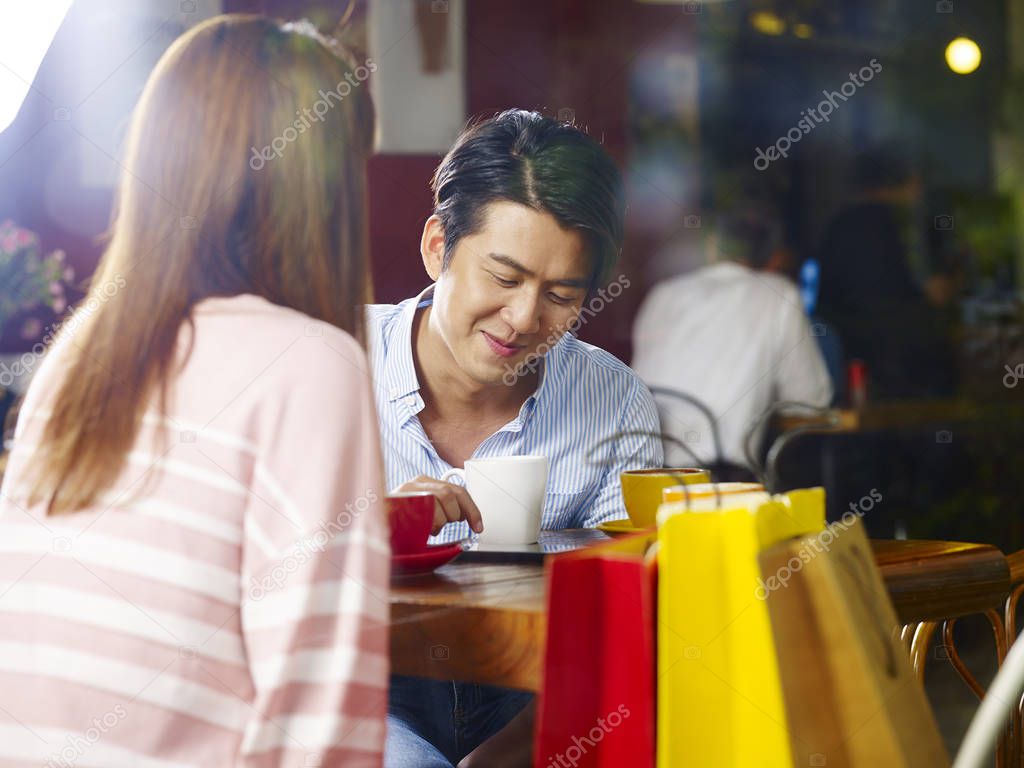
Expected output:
(486, 623)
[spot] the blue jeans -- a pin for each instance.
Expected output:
(436, 723)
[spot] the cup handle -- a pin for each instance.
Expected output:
(454, 472)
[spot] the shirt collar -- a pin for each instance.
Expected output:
(547, 372)
(401, 369)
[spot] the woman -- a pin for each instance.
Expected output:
(193, 554)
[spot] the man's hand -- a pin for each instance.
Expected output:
(511, 747)
(451, 502)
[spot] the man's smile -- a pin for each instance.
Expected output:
(501, 348)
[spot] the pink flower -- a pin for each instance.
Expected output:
(31, 328)
(24, 237)
(59, 304)
(69, 274)
(8, 242)
(56, 289)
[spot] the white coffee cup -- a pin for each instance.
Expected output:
(509, 491)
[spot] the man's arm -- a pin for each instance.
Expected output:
(640, 448)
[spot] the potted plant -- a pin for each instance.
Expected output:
(29, 282)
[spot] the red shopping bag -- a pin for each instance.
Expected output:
(596, 706)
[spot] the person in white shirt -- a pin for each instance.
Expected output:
(733, 336)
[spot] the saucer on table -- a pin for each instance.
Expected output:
(619, 527)
(427, 560)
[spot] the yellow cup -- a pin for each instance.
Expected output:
(706, 490)
(642, 489)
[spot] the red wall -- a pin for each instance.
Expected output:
(549, 55)
(400, 202)
(554, 56)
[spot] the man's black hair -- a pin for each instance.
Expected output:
(749, 234)
(550, 166)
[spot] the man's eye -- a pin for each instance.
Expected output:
(559, 299)
(503, 282)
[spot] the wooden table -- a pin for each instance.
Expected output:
(895, 416)
(875, 417)
(935, 580)
(470, 621)
(487, 623)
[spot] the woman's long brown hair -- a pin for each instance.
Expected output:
(236, 180)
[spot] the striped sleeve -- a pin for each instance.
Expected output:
(640, 450)
(315, 571)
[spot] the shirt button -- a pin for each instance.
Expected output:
(394, 392)
(411, 401)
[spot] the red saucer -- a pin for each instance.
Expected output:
(427, 560)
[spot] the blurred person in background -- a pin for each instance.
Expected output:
(884, 316)
(732, 334)
(194, 549)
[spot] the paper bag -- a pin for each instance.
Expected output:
(596, 706)
(852, 698)
(719, 693)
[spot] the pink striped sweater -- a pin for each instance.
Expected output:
(226, 603)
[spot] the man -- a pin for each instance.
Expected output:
(731, 335)
(895, 311)
(527, 225)
(869, 291)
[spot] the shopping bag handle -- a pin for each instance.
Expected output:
(665, 437)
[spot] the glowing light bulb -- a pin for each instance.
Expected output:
(963, 55)
(767, 23)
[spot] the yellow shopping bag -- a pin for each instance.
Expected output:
(720, 699)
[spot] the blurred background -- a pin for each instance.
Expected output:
(804, 109)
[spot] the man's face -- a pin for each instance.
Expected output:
(510, 292)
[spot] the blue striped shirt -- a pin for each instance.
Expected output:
(585, 396)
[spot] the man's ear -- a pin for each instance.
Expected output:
(432, 247)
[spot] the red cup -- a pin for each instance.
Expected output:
(411, 516)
